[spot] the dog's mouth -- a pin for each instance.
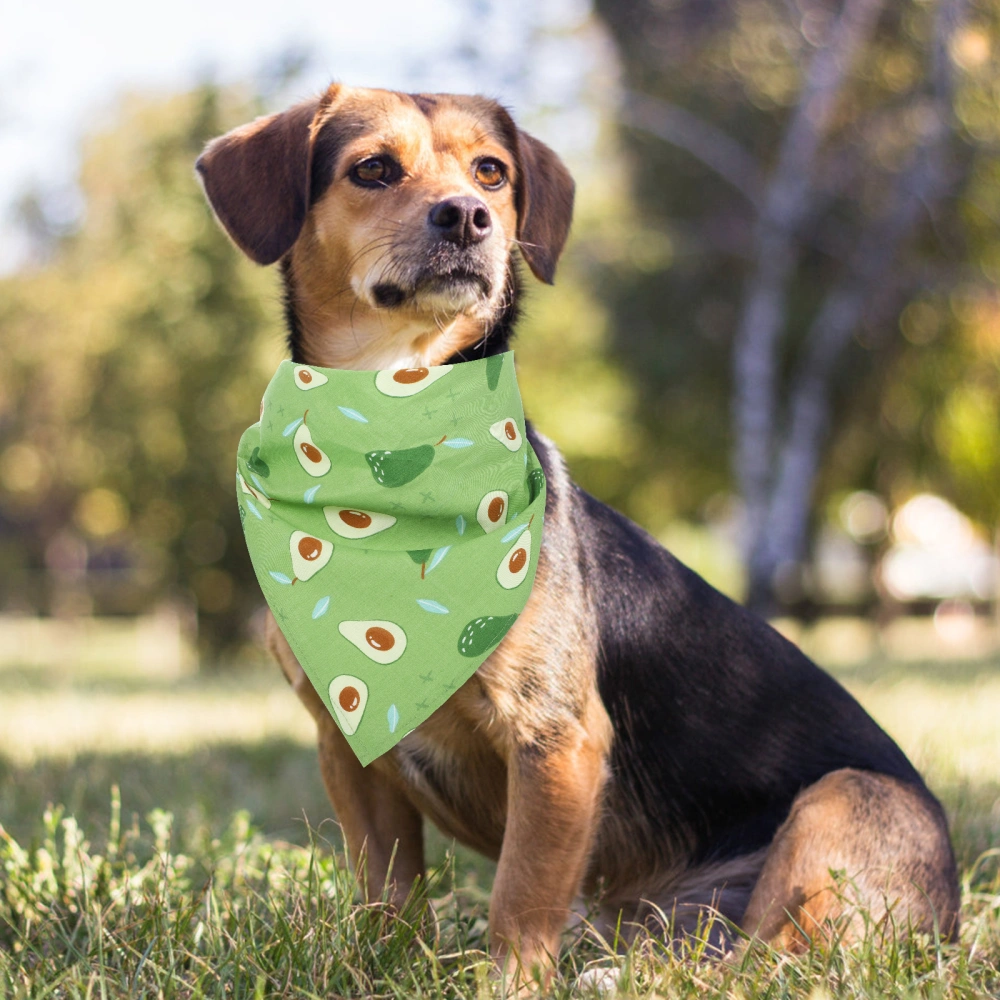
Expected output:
(461, 288)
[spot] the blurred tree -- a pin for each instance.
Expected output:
(133, 353)
(129, 364)
(809, 165)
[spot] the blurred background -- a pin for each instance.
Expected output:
(774, 342)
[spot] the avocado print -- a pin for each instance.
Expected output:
(250, 491)
(381, 641)
(309, 554)
(350, 523)
(314, 460)
(506, 432)
(408, 381)
(420, 557)
(400, 545)
(308, 378)
(427, 559)
(397, 468)
(514, 566)
(484, 633)
(536, 480)
(492, 511)
(348, 695)
(494, 365)
(256, 464)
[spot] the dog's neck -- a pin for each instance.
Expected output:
(345, 332)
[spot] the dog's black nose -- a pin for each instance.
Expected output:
(461, 220)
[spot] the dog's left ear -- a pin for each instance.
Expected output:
(256, 178)
(544, 201)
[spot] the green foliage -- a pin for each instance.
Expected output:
(220, 873)
(133, 358)
(130, 364)
(913, 408)
(239, 916)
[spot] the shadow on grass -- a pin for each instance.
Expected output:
(277, 782)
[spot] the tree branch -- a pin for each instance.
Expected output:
(716, 150)
(916, 190)
(785, 203)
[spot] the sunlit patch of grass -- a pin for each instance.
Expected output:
(235, 915)
(61, 716)
(241, 915)
(242, 889)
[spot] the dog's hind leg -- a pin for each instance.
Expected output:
(858, 850)
(375, 815)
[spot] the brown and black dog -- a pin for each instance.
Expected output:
(637, 736)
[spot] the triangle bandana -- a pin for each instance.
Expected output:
(394, 520)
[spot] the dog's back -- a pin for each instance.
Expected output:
(720, 724)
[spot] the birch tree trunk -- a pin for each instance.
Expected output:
(779, 540)
(787, 202)
(817, 198)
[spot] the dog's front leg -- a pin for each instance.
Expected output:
(553, 802)
(375, 815)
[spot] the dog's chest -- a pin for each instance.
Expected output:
(454, 771)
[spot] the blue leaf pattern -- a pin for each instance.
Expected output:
(457, 443)
(321, 606)
(290, 429)
(310, 494)
(260, 485)
(432, 606)
(460, 524)
(393, 718)
(353, 414)
(513, 533)
(253, 510)
(437, 557)
(280, 577)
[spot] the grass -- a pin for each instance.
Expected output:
(175, 841)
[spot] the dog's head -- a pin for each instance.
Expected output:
(395, 215)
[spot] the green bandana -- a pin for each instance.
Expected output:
(394, 520)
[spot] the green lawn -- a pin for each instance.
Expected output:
(174, 840)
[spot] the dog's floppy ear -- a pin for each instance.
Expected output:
(544, 200)
(256, 178)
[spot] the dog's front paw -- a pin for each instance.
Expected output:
(519, 980)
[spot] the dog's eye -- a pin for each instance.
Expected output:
(376, 171)
(490, 173)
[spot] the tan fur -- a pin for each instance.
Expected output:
(516, 762)
(884, 843)
(524, 744)
(343, 250)
(553, 808)
(374, 813)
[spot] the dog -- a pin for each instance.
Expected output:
(637, 738)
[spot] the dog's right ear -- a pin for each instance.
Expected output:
(256, 179)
